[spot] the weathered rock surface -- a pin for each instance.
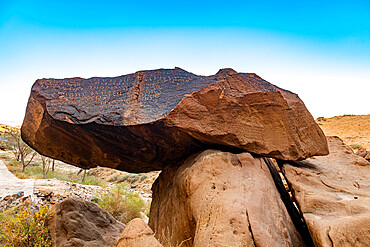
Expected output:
(220, 199)
(150, 119)
(367, 156)
(333, 193)
(363, 153)
(138, 234)
(81, 223)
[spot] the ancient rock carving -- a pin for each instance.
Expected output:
(151, 119)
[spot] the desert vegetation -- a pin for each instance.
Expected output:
(25, 226)
(23, 153)
(40, 168)
(123, 204)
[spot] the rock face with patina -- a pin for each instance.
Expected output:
(150, 119)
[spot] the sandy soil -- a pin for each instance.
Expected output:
(352, 129)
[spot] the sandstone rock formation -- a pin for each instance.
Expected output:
(81, 223)
(363, 153)
(333, 193)
(137, 234)
(150, 119)
(220, 199)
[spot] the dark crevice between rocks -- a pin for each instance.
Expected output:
(295, 215)
(302, 163)
(250, 228)
(328, 233)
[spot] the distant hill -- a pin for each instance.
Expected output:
(352, 129)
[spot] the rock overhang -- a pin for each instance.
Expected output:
(150, 119)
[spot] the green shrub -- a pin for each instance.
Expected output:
(92, 180)
(35, 171)
(26, 227)
(133, 178)
(143, 177)
(65, 176)
(123, 179)
(122, 204)
(114, 178)
(356, 146)
(22, 175)
(130, 178)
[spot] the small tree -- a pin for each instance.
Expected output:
(53, 165)
(19, 148)
(46, 165)
(84, 173)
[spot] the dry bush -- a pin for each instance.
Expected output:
(26, 227)
(356, 146)
(23, 153)
(123, 204)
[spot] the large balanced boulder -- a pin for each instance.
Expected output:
(82, 223)
(150, 119)
(218, 198)
(333, 193)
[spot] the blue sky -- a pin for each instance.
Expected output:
(318, 49)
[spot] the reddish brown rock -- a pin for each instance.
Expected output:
(361, 152)
(147, 120)
(367, 156)
(333, 193)
(82, 223)
(220, 199)
(138, 234)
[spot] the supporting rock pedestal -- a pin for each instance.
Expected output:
(333, 193)
(220, 199)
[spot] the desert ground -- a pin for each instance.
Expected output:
(354, 130)
(66, 182)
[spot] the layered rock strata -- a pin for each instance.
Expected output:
(220, 199)
(150, 119)
(333, 193)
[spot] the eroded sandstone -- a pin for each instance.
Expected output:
(138, 234)
(150, 119)
(77, 222)
(333, 193)
(220, 199)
